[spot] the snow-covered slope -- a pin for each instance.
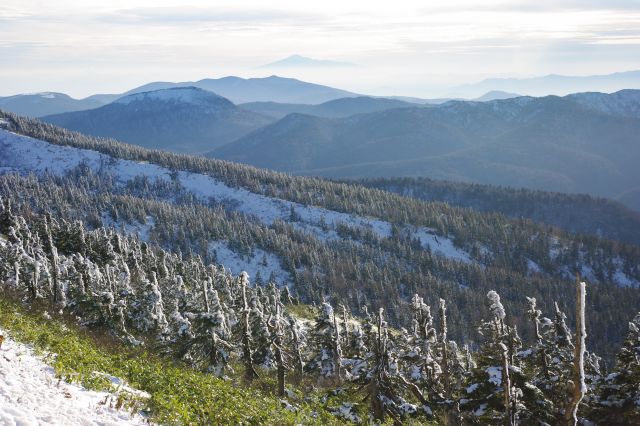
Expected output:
(258, 262)
(30, 394)
(190, 95)
(24, 154)
(625, 102)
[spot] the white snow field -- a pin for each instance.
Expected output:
(260, 261)
(30, 394)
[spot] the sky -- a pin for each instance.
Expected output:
(419, 48)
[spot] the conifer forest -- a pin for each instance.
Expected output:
(395, 310)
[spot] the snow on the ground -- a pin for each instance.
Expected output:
(495, 375)
(30, 394)
(441, 245)
(623, 280)
(587, 272)
(189, 94)
(27, 154)
(533, 267)
(260, 261)
(142, 230)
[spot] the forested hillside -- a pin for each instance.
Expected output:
(206, 319)
(342, 242)
(579, 213)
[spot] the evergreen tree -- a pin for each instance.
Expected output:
(325, 338)
(619, 395)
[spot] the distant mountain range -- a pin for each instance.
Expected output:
(182, 119)
(299, 61)
(584, 142)
(553, 84)
(345, 107)
(580, 143)
(241, 90)
(45, 103)
(236, 89)
(292, 91)
(194, 120)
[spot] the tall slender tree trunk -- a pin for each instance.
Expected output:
(579, 388)
(506, 386)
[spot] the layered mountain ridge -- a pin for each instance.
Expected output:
(181, 119)
(580, 143)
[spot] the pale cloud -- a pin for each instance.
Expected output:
(179, 15)
(81, 47)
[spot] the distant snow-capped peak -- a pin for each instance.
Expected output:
(189, 95)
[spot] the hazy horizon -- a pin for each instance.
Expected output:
(409, 49)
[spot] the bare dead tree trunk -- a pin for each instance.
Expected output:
(506, 385)
(570, 416)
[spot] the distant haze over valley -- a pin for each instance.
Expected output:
(266, 88)
(585, 142)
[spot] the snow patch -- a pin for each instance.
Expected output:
(472, 388)
(480, 410)
(495, 375)
(346, 411)
(533, 267)
(131, 228)
(259, 261)
(30, 394)
(623, 280)
(441, 245)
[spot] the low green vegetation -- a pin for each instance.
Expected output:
(179, 395)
